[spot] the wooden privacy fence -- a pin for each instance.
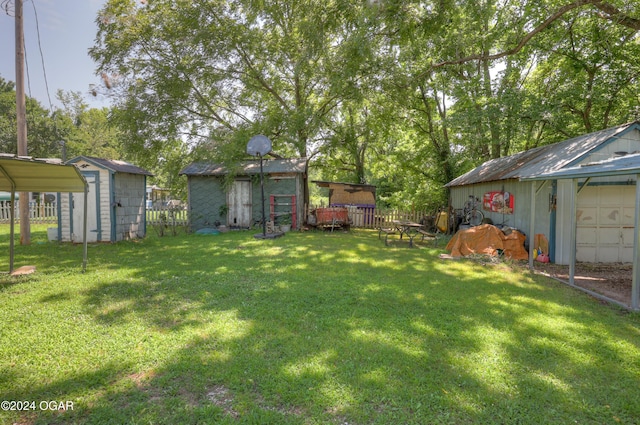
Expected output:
(373, 218)
(39, 213)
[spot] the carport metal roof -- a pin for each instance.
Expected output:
(24, 174)
(625, 165)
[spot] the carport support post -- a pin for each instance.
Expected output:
(532, 223)
(84, 254)
(574, 230)
(635, 282)
(12, 228)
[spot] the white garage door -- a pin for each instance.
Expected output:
(605, 224)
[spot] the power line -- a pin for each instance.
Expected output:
(6, 6)
(44, 70)
(26, 66)
(9, 8)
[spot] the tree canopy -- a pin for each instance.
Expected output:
(404, 94)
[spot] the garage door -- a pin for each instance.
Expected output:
(605, 224)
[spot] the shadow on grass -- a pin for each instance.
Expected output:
(334, 328)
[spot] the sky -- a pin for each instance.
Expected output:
(67, 31)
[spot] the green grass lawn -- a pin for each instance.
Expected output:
(311, 328)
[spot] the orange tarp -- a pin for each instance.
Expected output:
(488, 239)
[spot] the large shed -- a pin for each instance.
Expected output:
(116, 207)
(605, 207)
(231, 195)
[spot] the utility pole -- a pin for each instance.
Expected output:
(21, 117)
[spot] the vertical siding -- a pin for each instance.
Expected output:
(206, 196)
(103, 197)
(64, 222)
(104, 205)
(564, 222)
(629, 142)
(285, 185)
(129, 206)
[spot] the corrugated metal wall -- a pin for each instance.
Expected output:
(521, 216)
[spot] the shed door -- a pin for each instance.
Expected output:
(605, 224)
(92, 215)
(239, 214)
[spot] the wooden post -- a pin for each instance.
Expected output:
(635, 281)
(21, 118)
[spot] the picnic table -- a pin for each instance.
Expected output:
(402, 227)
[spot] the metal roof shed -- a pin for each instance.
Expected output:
(543, 159)
(22, 174)
(626, 165)
(116, 204)
(606, 239)
(230, 194)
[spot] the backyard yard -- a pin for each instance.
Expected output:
(310, 328)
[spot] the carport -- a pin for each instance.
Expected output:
(628, 165)
(24, 174)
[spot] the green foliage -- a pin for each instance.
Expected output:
(89, 130)
(43, 131)
(407, 94)
(306, 329)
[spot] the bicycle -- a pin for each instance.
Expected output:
(471, 214)
(438, 225)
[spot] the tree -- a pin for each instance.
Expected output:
(205, 71)
(435, 86)
(42, 129)
(590, 79)
(90, 131)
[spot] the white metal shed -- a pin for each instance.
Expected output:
(580, 176)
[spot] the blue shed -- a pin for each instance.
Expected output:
(116, 207)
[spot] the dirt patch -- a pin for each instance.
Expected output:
(612, 280)
(222, 397)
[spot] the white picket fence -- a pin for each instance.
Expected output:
(168, 216)
(39, 213)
